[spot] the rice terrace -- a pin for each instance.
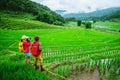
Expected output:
(73, 47)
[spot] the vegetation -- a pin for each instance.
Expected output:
(107, 26)
(41, 12)
(68, 52)
(18, 20)
(70, 19)
(105, 14)
(20, 70)
(59, 45)
(79, 22)
(88, 25)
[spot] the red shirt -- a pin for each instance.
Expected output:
(26, 46)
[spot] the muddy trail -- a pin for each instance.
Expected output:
(86, 75)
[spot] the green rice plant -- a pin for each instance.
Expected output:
(19, 71)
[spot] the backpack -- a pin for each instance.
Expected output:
(35, 49)
(21, 47)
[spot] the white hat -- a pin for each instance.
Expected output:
(24, 37)
(27, 37)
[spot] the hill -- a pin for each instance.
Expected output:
(99, 14)
(41, 12)
(20, 20)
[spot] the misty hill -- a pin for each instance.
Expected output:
(99, 14)
(41, 12)
(61, 12)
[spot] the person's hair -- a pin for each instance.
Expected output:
(36, 38)
(28, 40)
(21, 40)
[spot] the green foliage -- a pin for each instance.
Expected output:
(0, 18)
(70, 19)
(115, 20)
(16, 15)
(79, 22)
(58, 23)
(107, 26)
(94, 21)
(88, 25)
(43, 13)
(24, 23)
(45, 17)
(114, 15)
(19, 71)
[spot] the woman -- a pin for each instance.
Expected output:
(26, 48)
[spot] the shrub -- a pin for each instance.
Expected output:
(58, 23)
(79, 22)
(83, 22)
(94, 21)
(88, 25)
(119, 31)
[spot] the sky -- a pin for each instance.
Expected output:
(75, 6)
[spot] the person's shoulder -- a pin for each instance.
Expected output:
(33, 42)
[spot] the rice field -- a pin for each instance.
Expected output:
(67, 54)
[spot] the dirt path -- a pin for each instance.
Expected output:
(93, 75)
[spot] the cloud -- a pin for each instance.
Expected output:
(74, 6)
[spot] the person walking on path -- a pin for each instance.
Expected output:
(26, 47)
(36, 51)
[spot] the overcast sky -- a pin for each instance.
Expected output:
(74, 6)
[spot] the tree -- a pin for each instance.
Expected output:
(79, 22)
(70, 19)
(42, 13)
(88, 25)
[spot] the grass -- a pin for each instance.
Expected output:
(17, 24)
(71, 24)
(70, 47)
(107, 25)
(61, 38)
(61, 44)
(18, 21)
(13, 66)
(18, 15)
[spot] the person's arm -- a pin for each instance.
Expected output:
(31, 47)
(40, 48)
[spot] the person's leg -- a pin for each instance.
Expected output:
(40, 63)
(35, 62)
(28, 60)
